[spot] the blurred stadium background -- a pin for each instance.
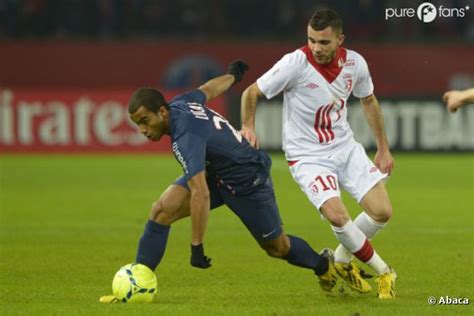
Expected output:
(67, 68)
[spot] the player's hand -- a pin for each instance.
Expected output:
(237, 69)
(250, 136)
(384, 161)
(453, 100)
(198, 259)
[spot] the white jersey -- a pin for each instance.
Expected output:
(315, 99)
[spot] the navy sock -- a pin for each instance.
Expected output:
(302, 255)
(151, 247)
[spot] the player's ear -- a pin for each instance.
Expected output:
(341, 39)
(163, 111)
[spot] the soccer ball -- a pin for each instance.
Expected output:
(134, 283)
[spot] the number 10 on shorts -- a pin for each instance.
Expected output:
(324, 183)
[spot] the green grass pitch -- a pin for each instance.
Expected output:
(67, 223)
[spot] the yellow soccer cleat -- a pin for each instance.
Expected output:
(386, 283)
(109, 299)
(350, 273)
(328, 280)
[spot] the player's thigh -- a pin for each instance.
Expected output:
(174, 203)
(214, 194)
(377, 204)
(359, 174)
(257, 211)
(319, 181)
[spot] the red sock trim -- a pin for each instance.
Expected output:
(365, 253)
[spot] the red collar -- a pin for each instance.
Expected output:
(331, 70)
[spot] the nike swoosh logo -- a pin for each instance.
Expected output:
(266, 235)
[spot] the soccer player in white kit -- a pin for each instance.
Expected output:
(316, 81)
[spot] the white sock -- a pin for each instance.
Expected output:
(368, 225)
(369, 228)
(342, 255)
(356, 242)
(350, 236)
(378, 264)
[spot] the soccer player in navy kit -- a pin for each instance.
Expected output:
(220, 167)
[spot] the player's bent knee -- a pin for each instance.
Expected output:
(335, 212)
(159, 215)
(337, 219)
(383, 215)
(156, 210)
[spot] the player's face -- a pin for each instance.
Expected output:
(324, 44)
(151, 125)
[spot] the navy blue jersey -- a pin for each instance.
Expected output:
(202, 139)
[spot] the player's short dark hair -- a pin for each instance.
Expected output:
(150, 98)
(323, 18)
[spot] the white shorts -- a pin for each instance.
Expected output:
(349, 168)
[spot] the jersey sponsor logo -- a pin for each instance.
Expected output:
(349, 63)
(179, 157)
(312, 85)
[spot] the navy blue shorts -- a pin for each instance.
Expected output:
(257, 210)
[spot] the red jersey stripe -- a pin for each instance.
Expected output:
(316, 125)
(328, 115)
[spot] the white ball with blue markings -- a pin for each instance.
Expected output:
(134, 283)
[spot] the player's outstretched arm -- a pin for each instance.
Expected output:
(199, 205)
(248, 109)
(219, 85)
(455, 99)
(373, 113)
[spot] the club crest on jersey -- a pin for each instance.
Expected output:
(313, 187)
(347, 77)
